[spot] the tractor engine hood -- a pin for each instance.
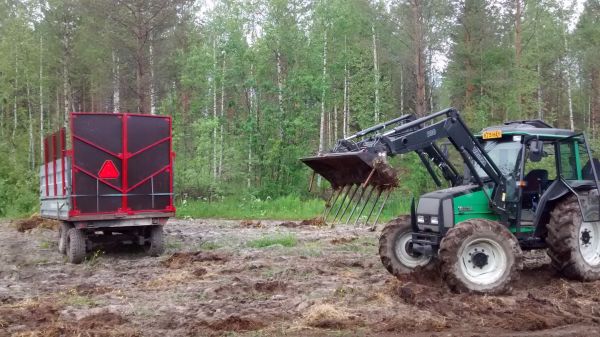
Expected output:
(436, 212)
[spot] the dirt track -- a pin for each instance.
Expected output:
(210, 282)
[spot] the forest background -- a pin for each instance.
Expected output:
(254, 85)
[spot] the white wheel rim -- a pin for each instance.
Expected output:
(408, 259)
(483, 261)
(589, 242)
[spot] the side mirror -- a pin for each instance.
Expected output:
(536, 150)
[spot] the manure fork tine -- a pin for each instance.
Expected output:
(329, 205)
(362, 192)
(381, 209)
(364, 205)
(341, 204)
(349, 202)
(379, 190)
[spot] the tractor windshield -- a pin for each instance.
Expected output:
(504, 154)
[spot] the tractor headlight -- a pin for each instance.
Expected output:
(434, 220)
(420, 219)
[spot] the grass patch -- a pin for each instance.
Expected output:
(285, 240)
(45, 244)
(283, 208)
(209, 245)
(73, 299)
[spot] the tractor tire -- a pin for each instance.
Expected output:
(75, 246)
(155, 242)
(395, 248)
(466, 265)
(574, 245)
(63, 232)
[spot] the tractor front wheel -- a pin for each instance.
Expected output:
(480, 256)
(574, 244)
(395, 248)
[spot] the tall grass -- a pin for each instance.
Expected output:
(284, 208)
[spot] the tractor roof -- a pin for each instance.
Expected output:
(534, 127)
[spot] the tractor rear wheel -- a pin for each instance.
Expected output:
(574, 244)
(395, 248)
(480, 256)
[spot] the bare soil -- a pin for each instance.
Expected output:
(211, 283)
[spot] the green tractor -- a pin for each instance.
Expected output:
(524, 185)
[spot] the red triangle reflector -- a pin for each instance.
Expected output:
(108, 170)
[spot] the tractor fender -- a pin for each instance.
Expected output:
(556, 191)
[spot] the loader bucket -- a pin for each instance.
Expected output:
(347, 168)
(358, 179)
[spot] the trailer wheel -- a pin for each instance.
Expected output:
(574, 244)
(63, 231)
(154, 245)
(395, 248)
(480, 256)
(75, 245)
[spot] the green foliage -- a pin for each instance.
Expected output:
(285, 240)
(18, 185)
(290, 207)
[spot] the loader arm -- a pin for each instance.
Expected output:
(429, 154)
(450, 127)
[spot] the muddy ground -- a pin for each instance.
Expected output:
(216, 279)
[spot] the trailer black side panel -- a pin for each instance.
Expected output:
(122, 163)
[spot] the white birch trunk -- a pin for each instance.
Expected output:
(329, 128)
(401, 91)
(253, 117)
(31, 154)
(322, 128)
(214, 91)
(335, 123)
(116, 83)
(2, 119)
(568, 77)
(222, 115)
(66, 94)
(152, 84)
(14, 131)
(345, 113)
(280, 93)
(66, 79)
(375, 73)
(540, 112)
(41, 100)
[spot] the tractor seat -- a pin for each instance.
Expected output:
(535, 181)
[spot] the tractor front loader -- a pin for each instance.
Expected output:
(526, 185)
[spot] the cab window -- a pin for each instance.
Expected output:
(570, 165)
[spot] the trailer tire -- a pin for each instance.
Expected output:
(573, 244)
(155, 242)
(480, 256)
(394, 248)
(63, 232)
(76, 246)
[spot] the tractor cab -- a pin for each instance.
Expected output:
(543, 164)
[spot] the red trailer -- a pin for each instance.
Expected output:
(113, 183)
